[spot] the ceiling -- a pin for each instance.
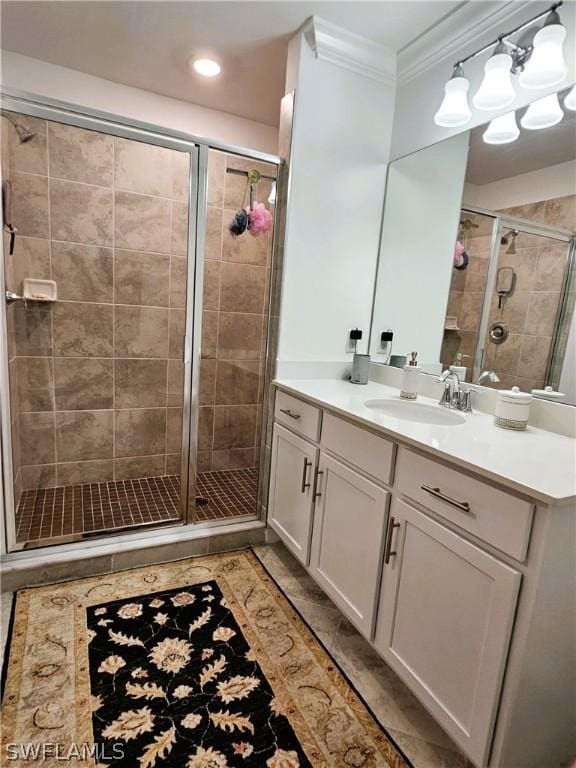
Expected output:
(531, 151)
(148, 44)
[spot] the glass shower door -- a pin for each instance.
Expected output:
(97, 375)
(525, 300)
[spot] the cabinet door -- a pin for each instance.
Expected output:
(347, 540)
(290, 499)
(444, 624)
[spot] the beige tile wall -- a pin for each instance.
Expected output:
(530, 312)
(97, 377)
(236, 295)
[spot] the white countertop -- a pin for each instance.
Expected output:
(535, 462)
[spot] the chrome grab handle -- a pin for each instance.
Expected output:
(288, 412)
(304, 471)
(387, 549)
(464, 506)
(316, 493)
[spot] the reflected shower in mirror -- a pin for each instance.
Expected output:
(476, 261)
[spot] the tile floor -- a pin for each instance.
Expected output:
(53, 512)
(403, 717)
(229, 493)
(49, 513)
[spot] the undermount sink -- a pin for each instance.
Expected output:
(414, 411)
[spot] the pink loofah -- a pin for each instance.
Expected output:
(260, 220)
(458, 254)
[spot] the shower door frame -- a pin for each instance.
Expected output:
(501, 222)
(198, 148)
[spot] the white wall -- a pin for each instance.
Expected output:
(340, 148)
(423, 198)
(421, 86)
(532, 187)
(55, 82)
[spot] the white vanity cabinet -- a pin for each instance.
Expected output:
(462, 582)
(444, 623)
(347, 540)
(290, 499)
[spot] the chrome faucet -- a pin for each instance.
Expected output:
(492, 377)
(454, 396)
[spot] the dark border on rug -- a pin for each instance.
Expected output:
(333, 660)
(6, 657)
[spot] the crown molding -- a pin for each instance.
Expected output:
(349, 51)
(459, 32)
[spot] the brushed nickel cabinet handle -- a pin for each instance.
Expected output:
(464, 506)
(288, 412)
(316, 493)
(388, 548)
(304, 472)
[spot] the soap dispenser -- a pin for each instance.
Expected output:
(458, 368)
(410, 378)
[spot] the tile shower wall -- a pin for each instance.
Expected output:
(467, 294)
(97, 377)
(530, 312)
(234, 323)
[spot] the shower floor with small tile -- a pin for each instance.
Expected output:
(228, 493)
(92, 508)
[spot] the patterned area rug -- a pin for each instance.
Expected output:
(200, 663)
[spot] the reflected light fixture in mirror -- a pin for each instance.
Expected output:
(542, 113)
(570, 100)
(546, 66)
(496, 90)
(206, 67)
(454, 110)
(502, 130)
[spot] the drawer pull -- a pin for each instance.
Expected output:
(462, 505)
(288, 412)
(316, 493)
(304, 472)
(387, 550)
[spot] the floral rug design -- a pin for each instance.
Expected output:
(174, 682)
(198, 663)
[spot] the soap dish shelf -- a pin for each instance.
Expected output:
(39, 290)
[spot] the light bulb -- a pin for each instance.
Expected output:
(502, 130)
(206, 67)
(570, 100)
(272, 195)
(454, 110)
(542, 113)
(496, 90)
(546, 67)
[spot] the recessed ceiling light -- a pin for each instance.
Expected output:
(206, 67)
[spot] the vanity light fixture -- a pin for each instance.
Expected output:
(496, 90)
(502, 130)
(454, 110)
(537, 57)
(206, 67)
(570, 100)
(546, 66)
(542, 113)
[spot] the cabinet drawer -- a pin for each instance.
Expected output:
(369, 452)
(493, 515)
(299, 416)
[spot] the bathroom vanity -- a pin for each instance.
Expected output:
(449, 545)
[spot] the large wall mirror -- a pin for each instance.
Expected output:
(477, 259)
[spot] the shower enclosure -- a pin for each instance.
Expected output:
(511, 309)
(135, 328)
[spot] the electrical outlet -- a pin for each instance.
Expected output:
(354, 336)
